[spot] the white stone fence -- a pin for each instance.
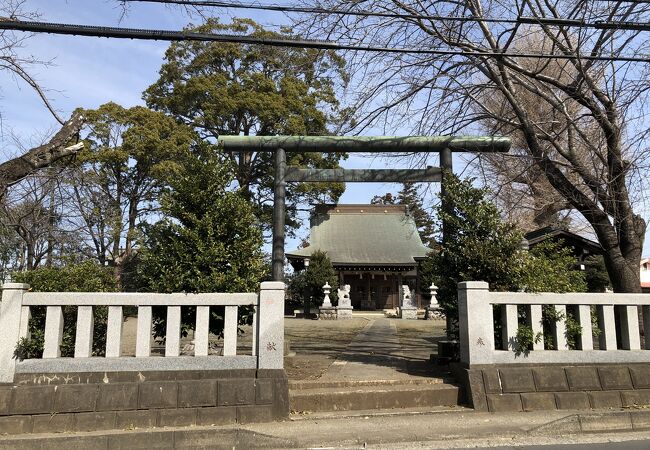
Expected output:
(267, 346)
(477, 337)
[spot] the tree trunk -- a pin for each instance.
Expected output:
(42, 156)
(626, 276)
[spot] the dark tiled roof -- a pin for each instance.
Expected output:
(537, 236)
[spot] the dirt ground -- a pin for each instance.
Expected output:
(419, 339)
(317, 343)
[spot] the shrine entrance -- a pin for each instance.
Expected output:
(376, 255)
(280, 145)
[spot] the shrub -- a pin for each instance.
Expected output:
(208, 240)
(87, 276)
(309, 283)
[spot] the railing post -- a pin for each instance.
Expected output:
(230, 331)
(202, 331)
(173, 331)
(53, 332)
(475, 322)
(10, 315)
(270, 320)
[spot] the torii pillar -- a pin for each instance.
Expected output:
(280, 145)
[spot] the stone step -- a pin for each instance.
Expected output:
(367, 413)
(403, 395)
(299, 385)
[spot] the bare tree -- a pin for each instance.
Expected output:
(523, 192)
(33, 212)
(589, 143)
(11, 60)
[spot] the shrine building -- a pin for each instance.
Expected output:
(374, 248)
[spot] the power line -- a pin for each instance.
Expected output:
(641, 2)
(552, 21)
(169, 35)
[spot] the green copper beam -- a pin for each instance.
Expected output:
(364, 144)
(297, 174)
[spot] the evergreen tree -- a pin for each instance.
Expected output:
(129, 154)
(208, 241)
(244, 89)
(479, 246)
(424, 221)
(551, 267)
(387, 199)
(596, 274)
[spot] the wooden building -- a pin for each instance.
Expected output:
(374, 248)
(580, 246)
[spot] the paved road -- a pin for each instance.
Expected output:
(627, 445)
(385, 432)
(608, 441)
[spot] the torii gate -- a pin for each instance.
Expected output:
(445, 145)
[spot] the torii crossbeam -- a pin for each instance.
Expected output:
(445, 145)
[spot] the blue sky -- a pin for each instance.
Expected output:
(87, 72)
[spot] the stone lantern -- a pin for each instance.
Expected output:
(433, 309)
(326, 310)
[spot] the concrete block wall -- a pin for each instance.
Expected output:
(549, 387)
(39, 403)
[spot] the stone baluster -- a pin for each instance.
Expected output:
(53, 332)
(607, 326)
(83, 343)
(254, 325)
(202, 331)
(535, 324)
(560, 328)
(646, 326)
(173, 331)
(114, 331)
(143, 334)
(586, 341)
(230, 331)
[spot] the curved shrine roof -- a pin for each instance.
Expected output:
(364, 235)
